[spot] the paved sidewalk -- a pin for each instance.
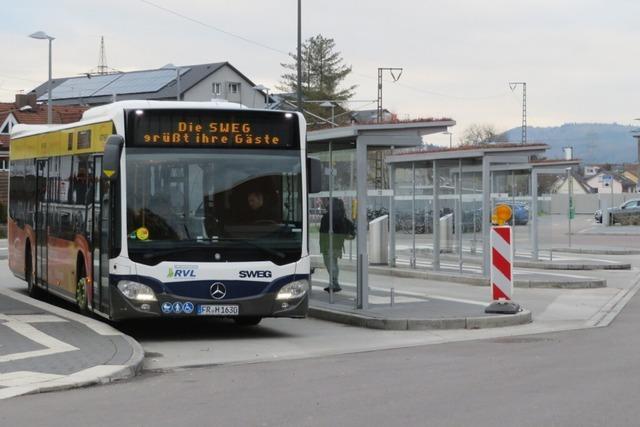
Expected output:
(410, 311)
(565, 297)
(46, 348)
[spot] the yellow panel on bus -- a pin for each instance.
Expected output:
(78, 140)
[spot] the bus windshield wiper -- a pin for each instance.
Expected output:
(158, 252)
(256, 245)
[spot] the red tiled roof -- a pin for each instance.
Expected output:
(38, 115)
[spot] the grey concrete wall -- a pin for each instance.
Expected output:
(587, 203)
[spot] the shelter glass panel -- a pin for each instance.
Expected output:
(332, 219)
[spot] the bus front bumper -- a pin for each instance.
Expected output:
(172, 306)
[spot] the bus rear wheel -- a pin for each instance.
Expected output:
(32, 288)
(248, 320)
(81, 294)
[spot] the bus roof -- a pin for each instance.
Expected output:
(111, 111)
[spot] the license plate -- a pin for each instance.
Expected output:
(218, 310)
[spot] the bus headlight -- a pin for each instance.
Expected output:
(136, 291)
(293, 290)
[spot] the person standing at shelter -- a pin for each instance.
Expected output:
(331, 247)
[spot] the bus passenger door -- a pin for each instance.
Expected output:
(41, 221)
(99, 240)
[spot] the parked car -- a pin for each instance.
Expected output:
(629, 204)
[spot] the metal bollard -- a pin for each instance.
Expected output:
(392, 296)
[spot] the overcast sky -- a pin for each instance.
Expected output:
(579, 57)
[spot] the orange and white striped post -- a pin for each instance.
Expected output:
(501, 263)
(501, 238)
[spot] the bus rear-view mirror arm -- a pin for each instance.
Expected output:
(111, 159)
(314, 175)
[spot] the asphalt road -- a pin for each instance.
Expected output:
(580, 378)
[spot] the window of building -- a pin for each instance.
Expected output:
(4, 164)
(5, 128)
(234, 87)
(216, 88)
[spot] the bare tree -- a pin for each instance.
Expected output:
(477, 134)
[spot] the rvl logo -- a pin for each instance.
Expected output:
(181, 272)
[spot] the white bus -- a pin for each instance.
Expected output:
(158, 209)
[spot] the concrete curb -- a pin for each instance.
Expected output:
(362, 321)
(482, 281)
(571, 266)
(598, 251)
(469, 279)
(578, 284)
(99, 374)
(546, 265)
(523, 262)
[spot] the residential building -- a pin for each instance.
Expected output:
(591, 170)
(26, 110)
(201, 82)
(561, 185)
(611, 182)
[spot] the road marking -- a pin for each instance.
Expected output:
(21, 378)
(53, 345)
(38, 318)
(96, 326)
(613, 307)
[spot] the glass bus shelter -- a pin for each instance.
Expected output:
(442, 203)
(355, 186)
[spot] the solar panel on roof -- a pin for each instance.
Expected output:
(80, 87)
(140, 82)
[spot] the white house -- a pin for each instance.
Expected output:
(562, 186)
(607, 182)
(591, 170)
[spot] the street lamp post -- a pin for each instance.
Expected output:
(331, 105)
(41, 35)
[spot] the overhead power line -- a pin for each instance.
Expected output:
(220, 30)
(273, 49)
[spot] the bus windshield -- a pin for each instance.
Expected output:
(214, 205)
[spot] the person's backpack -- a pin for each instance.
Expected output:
(351, 229)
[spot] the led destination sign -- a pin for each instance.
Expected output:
(212, 128)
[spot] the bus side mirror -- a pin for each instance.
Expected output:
(111, 159)
(314, 175)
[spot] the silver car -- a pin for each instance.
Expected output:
(633, 203)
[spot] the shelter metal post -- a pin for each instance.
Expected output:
(459, 215)
(331, 258)
(534, 215)
(436, 217)
(486, 213)
(412, 261)
(362, 288)
(392, 216)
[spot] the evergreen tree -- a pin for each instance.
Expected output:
(323, 71)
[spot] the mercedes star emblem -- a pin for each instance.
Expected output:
(218, 290)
